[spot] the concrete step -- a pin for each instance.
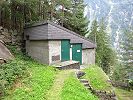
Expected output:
(67, 65)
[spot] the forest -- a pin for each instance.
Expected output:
(118, 65)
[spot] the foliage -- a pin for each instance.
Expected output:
(15, 13)
(9, 72)
(35, 86)
(123, 94)
(74, 90)
(13, 69)
(75, 19)
(105, 55)
(27, 72)
(70, 14)
(97, 78)
(93, 31)
(117, 72)
(126, 52)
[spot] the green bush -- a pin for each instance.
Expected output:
(12, 69)
(9, 72)
(131, 83)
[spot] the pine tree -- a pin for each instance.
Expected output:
(68, 13)
(127, 53)
(93, 31)
(104, 52)
(75, 19)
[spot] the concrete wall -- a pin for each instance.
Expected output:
(38, 50)
(49, 52)
(88, 56)
(54, 51)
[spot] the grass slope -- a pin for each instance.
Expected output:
(74, 90)
(55, 91)
(124, 94)
(33, 87)
(34, 84)
(97, 78)
(42, 82)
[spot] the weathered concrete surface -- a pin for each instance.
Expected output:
(49, 52)
(4, 52)
(38, 50)
(54, 51)
(88, 56)
(44, 51)
(67, 65)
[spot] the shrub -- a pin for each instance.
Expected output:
(9, 72)
(131, 83)
(14, 69)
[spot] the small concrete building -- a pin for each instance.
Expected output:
(50, 43)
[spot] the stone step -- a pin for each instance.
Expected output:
(80, 74)
(83, 80)
(89, 88)
(86, 84)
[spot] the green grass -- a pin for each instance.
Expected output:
(35, 86)
(56, 89)
(97, 78)
(124, 94)
(74, 90)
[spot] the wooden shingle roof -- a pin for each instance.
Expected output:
(51, 31)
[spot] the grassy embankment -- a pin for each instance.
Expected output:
(37, 81)
(28, 79)
(74, 90)
(124, 94)
(97, 78)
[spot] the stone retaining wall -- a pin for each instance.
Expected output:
(9, 36)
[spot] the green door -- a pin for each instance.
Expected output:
(65, 50)
(77, 52)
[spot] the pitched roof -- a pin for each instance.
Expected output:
(51, 31)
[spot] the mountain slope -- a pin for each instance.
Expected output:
(117, 13)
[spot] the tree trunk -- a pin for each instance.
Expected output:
(0, 16)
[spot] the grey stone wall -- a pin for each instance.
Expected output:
(88, 56)
(38, 50)
(54, 51)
